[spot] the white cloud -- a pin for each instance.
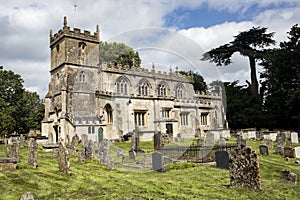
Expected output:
(25, 29)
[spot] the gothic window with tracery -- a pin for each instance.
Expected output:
(161, 90)
(122, 86)
(144, 89)
(179, 91)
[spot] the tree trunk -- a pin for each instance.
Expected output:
(254, 82)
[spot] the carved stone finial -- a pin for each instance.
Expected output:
(153, 66)
(170, 69)
(51, 33)
(65, 21)
(176, 69)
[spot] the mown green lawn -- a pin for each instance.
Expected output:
(181, 181)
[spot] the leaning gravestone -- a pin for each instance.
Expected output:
(74, 144)
(263, 150)
(63, 159)
(244, 168)
(33, 153)
(297, 152)
(157, 163)
(294, 137)
(222, 159)
(26, 196)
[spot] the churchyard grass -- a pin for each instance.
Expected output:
(91, 180)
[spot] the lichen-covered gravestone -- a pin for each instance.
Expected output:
(26, 196)
(63, 159)
(15, 149)
(244, 168)
(22, 141)
(88, 148)
(33, 153)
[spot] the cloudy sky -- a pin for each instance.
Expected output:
(168, 33)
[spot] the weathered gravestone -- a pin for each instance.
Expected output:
(263, 150)
(297, 152)
(289, 152)
(15, 149)
(22, 141)
(33, 153)
(74, 144)
(8, 164)
(157, 163)
(84, 139)
(222, 142)
(288, 176)
(88, 150)
(209, 139)
(63, 158)
(241, 143)
(222, 159)
(279, 150)
(7, 150)
(294, 137)
(132, 155)
(26, 196)
(244, 168)
(268, 143)
(157, 141)
(104, 158)
(81, 156)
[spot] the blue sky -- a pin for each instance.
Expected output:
(178, 32)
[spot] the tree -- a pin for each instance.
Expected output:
(243, 110)
(198, 81)
(119, 54)
(20, 110)
(249, 43)
(282, 81)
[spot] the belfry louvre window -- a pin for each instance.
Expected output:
(184, 119)
(82, 77)
(140, 118)
(204, 118)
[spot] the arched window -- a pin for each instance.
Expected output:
(144, 88)
(81, 52)
(122, 85)
(108, 114)
(82, 77)
(179, 91)
(162, 90)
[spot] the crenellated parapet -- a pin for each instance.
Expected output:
(144, 72)
(75, 33)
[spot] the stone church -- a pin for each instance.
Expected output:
(105, 101)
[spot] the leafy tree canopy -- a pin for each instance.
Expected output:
(119, 54)
(20, 110)
(198, 80)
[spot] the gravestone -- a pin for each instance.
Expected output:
(33, 153)
(288, 152)
(222, 142)
(81, 156)
(199, 142)
(22, 141)
(88, 150)
(241, 143)
(244, 168)
(210, 138)
(263, 150)
(279, 150)
(63, 158)
(157, 141)
(137, 147)
(297, 152)
(157, 163)
(74, 144)
(222, 159)
(7, 150)
(132, 155)
(104, 152)
(294, 137)
(26, 196)
(289, 176)
(15, 149)
(84, 139)
(268, 143)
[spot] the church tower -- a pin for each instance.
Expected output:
(74, 60)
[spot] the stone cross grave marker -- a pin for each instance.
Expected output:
(222, 159)
(63, 158)
(222, 142)
(294, 137)
(157, 163)
(33, 153)
(263, 150)
(297, 152)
